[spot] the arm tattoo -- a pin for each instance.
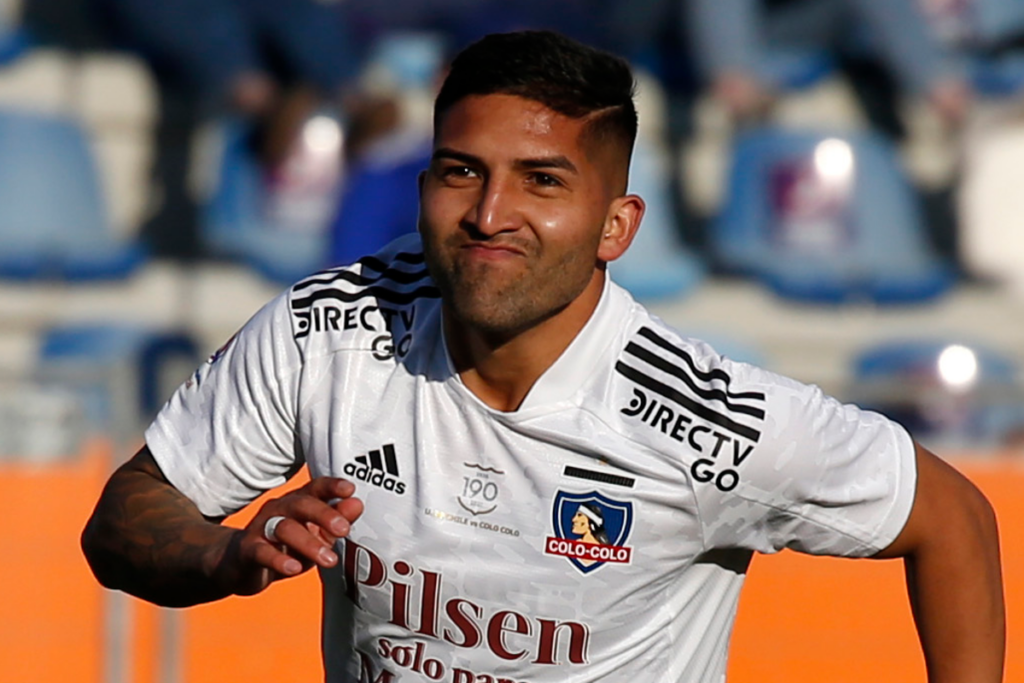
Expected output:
(146, 538)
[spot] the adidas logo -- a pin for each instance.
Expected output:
(378, 469)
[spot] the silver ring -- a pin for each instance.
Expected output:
(270, 527)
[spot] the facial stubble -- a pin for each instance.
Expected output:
(500, 302)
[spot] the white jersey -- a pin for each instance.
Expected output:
(601, 532)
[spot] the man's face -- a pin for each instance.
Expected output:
(512, 211)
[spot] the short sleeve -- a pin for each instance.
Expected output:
(229, 432)
(824, 477)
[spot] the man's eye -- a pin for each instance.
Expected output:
(458, 172)
(546, 180)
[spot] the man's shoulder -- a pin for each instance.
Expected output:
(650, 345)
(666, 387)
(377, 295)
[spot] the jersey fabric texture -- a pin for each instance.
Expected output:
(601, 532)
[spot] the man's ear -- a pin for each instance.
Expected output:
(620, 226)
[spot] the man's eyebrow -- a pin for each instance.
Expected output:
(448, 153)
(558, 161)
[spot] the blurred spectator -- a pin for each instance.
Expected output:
(730, 38)
(463, 21)
(884, 50)
(274, 61)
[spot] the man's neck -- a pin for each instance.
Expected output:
(501, 372)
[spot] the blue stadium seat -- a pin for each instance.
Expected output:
(239, 222)
(123, 373)
(826, 218)
(657, 264)
(15, 41)
(955, 393)
(1001, 77)
(53, 219)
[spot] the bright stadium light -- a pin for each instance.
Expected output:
(958, 367)
(833, 159)
(322, 135)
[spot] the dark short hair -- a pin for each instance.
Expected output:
(564, 75)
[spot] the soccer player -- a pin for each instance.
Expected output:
(482, 382)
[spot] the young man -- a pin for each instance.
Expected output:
(484, 382)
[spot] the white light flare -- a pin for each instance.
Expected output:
(833, 159)
(322, 135)
(958, 367)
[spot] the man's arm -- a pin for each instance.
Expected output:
(951, 549)
(146, 538)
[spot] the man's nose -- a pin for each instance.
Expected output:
(496, 208)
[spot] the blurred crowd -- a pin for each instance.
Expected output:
(836, 149)
(274, 63)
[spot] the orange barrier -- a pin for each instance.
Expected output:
(801, 619)
(52, 610)
(51, 627)
(281, 638)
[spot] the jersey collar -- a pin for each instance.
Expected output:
(578, 362)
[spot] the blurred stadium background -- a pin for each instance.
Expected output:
(812, 254)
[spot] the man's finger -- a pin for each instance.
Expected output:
(305, 508)
(326, 488)
(296, 537)
(266, 555)
(326, 537)
(350, 509)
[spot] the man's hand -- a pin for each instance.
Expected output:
(952, 100)
(315, 517)
(147, 539)
(742, 95)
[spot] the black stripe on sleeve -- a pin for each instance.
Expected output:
(381, 293)
(698, 409)
(402, 277)
(704, 375)
(710, 394)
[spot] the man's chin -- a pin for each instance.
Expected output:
(494, 315)
(487, 317)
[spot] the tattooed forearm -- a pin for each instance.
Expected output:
(148, 539)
